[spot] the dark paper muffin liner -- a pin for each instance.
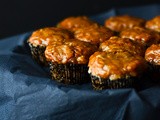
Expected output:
(156, 68)
(100, 83)
(154, 73)
(38, 54)
(69, 73)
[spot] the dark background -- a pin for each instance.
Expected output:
(19, 16)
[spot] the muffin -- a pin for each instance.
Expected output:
(68, 62)
(93, 34)
(152, 56)
(141, 35)
(118, 44)
(115, 70)
(42, 37)
(121, 22)
(153, 24)
(75, 22)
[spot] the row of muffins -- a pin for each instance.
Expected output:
(78, 50)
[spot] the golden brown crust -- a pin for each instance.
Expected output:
(116, 66)
(117, 44)
(75, 22)
(43, 36)
(141, 35)
(94, 34)
(121, 22)
(153, 24)
(71, 51)
(152, 54)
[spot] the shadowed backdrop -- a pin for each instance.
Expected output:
(19, 16)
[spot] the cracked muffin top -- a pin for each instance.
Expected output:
(121, 22)
(152, 54)
(71, 51)
(141, 35)
(45, 35)
(153, 24)
(116, 66)
(75, 22)
(118, 44)
(94, 34)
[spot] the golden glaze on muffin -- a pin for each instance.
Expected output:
(71, 51)
(152, 54)
(121, 22)
(141, 35)
(43, 36)
(117, 44)
(153, 24)
(75, 22)
(94, 34)
(116, 66)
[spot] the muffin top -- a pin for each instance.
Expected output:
(117, 44)
(152, 54)
(75, 22)
(116, 66)
(71, 51)
(94, 34)
(141, 35)
(153, 24)
(121, 22)
(43, 36)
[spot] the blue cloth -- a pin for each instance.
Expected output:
(28, 93)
